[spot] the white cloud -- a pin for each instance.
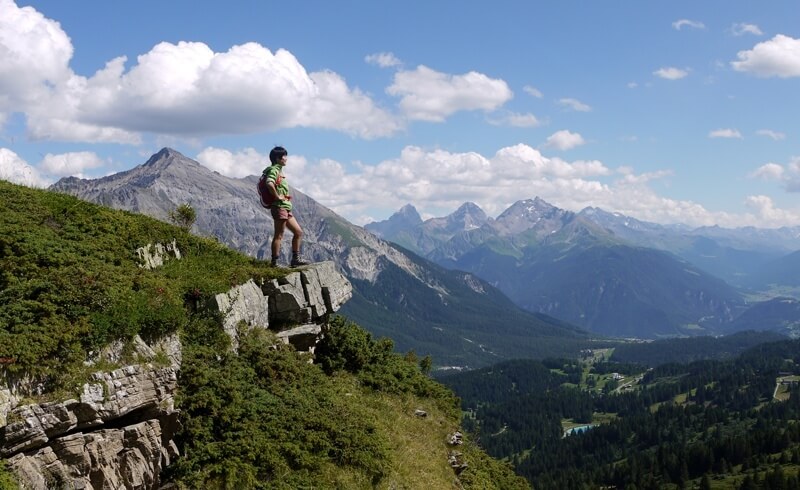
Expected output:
(564, 140)
(778, 57)
(775, 135)
(384, 60)
(429, 95)
(671, 73)
(74, 163)
(516, 120)
(182, 89)
(34, 54)
(533, 91)
(768, 171)
(788, 176)
(768, 215)
(630, 178)
(15, 169)
(187, 89)
(741, 29)
(725, 133)
(574, 104)
(679, 24)
(632, 85)
(241, 164)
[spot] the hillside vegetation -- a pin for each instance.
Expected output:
(262, 418)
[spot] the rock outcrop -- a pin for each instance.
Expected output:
(120, 432)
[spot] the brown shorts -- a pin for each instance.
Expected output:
(280, 213)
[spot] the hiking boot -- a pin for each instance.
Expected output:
(274, 262)
(297, 261)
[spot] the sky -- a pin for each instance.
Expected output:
(670, 112)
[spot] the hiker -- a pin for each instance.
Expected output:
(280, 206)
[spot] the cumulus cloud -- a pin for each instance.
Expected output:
(34, 54)
(671, 73)
(384, 60)
(73, 163)
(778, 57)
(15, 169)
(725, 133)
(768, 171)
(516, 120)
(768, 214)
(564, 140)
(788, 175)
(694, 24)
(574, 104)
(184, 89)
(241, 164)
(741, 29)
(429, 95)
(775, 135)
(187, 89)
(533, 91)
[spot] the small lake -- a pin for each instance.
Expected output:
(579, 429)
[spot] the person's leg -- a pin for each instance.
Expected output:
(297, 238)
(297, 234)
(280, 226)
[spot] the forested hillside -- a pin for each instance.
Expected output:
(707, 424)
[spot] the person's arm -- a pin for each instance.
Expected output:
(274, 190)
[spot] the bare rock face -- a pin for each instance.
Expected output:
(118, 435)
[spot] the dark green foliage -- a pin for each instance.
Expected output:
(184, 216)
(683, 422)
(265, 418)
(684, 350)
(346, 346)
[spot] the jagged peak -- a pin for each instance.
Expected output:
(529, 207)
(409, 211)
(167, 156)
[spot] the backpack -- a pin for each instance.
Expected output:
(263, 190)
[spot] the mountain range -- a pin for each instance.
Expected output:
(536, 281)
(610, 273)
(458, 318)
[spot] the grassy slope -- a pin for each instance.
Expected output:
(265, 418)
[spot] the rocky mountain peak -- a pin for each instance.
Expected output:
(407, 218)
(409, 212)
(530, 213)
(467, 217)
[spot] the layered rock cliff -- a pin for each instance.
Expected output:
(119, 432)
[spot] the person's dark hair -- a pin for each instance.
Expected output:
(277, 153)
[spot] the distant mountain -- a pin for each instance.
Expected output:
(782, 271)
(780, 315)
(735, 255)
(407, 229)
(590, 269)
(459, 319)
(393, 229)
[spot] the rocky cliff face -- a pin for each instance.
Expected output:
(119, 433)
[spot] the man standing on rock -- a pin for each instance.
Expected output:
(280, 205)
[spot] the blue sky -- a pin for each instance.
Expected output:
(679, 111)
